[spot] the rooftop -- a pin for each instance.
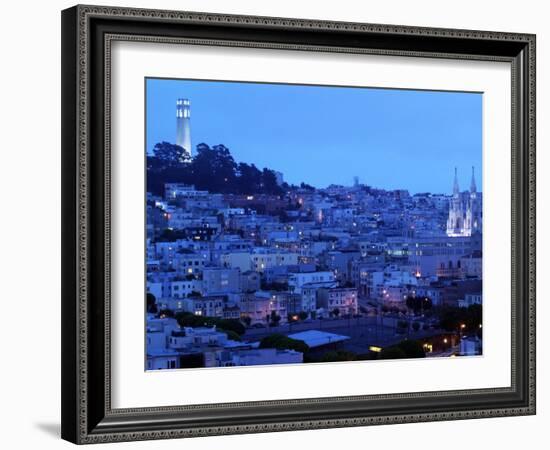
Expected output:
(316, 338)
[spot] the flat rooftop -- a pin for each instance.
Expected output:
(316, 338)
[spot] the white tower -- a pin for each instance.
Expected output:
(183, 126)
(473, 216)
(464, 211)
(455, 222)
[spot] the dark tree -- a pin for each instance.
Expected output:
(452, 318)
(338, 355)
(307, 186)
(169, 154)
(169, 235)
(231, 335)
(151, 303)
(166, 313)
(187, 319)
(230, 325)
(214, 169)
(249, 180)
(391, 353)
(405, 349)
(418, 304)
(412, 348)
(274, 319)
(269, 182)
(282, 342)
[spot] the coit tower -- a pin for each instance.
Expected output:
(183, 126)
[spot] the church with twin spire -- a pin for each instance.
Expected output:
(464, 211)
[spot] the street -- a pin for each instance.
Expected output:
(363, 331)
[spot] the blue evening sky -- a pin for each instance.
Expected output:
(389, 138)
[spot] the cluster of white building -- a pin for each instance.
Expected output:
(314, 253)
(170, 346)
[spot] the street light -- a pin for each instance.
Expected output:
(462, 327)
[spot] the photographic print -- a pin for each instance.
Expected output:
(298, 224)
(312, 200)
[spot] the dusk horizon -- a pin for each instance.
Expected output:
(283, 119)
(292, 224)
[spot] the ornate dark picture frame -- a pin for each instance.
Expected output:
(87, 33)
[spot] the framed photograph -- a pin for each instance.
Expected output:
(281, 224)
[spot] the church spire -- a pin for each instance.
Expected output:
(473, 187)
(456, 189)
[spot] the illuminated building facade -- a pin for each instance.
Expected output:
(183, 126)
(464, 213)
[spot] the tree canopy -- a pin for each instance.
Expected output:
(212, 169)
(282, 342)
(451, 318)
(404, 349)
(169, 154)
(151, 303)
(338, 355)
(418, 304)
(187, 319)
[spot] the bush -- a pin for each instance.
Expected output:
(274, 319)
(339, 355)
(452, 317)
(231, 325)
(391, 353)
(282, 342)
(166, 313)
(186, 319)
(231, 335)
(412, 348)
(151, 303)
(405, 349)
